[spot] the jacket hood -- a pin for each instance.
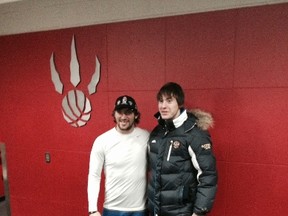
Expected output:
(204, 119)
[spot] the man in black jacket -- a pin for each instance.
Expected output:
(182, 178)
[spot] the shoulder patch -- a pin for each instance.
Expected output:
(206, 146)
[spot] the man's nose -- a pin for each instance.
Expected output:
(163, 104)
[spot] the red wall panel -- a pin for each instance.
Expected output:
(136, 55)
(259, 128)
(257, 188)
(230, 63)
(261, 47)
(200, 50)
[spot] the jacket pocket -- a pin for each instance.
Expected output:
(187, 194)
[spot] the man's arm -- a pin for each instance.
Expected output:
(94, 176)
(204, 161)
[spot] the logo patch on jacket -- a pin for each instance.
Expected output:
(176, 144)
(206, 146)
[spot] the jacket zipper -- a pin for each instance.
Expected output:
(170, 149)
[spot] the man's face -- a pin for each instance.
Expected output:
(124, 119)
(168, 107)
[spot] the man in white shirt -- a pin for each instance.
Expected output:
(122, 153)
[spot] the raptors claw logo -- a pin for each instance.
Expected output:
(76, 107)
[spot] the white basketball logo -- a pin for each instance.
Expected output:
(76, 107)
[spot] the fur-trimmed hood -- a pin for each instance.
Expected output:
(204, 119)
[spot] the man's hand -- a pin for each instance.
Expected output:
(95, 214)
(194, 214)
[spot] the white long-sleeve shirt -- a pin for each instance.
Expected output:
(123, 157)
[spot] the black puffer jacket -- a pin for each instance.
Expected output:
(182, 167)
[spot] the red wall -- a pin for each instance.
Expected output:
(232, 63)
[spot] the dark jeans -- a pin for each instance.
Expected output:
(107, 212)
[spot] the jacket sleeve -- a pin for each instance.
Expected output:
(204, 162)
